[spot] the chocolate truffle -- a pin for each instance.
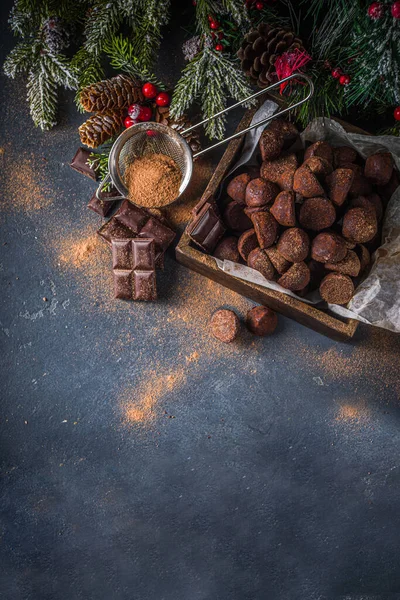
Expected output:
(379, 168)
(359, 225)
(260, 192)
(343, 155)
(339, 184)
(321, 149)
(279, 171)
(251, 210)
(266, 228)
(296, 277)
(317, 214)
(328, 247)
(261, 320)
(288, 130)
(319, 166)
(227, 249)
(259, 261)
(371, 202)
(246, 243)
(336, 288)
(271, 144)
(283, 209)
(237, 187)
(235, 218)
(225, 325)
(278, 261)
(350, 265)
(364, 256)
(360, 185)
(306, 183)
(294, 244)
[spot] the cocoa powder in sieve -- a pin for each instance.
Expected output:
(153, 180)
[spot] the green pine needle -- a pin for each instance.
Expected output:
(42, 96)
(122, 57)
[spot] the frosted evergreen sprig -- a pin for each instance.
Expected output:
(122, 57)
(154, 14)
(104, 20)
(90, 70)
(20, 58)
(42, 96)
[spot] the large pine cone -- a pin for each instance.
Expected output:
(260, 49)
(180, 124)
(115, 93)
(100, 127)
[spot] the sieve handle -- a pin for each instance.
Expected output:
(106, 179)
(264, 91)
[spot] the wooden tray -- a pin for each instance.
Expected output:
(333, 326)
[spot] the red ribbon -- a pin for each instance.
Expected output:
(290, 62)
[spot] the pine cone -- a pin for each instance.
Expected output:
(55, 34)
(115, 93)
(260, 49)
(180, 124)
(99, 128)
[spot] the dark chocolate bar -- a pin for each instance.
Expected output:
(206, 228)
(79, 163)
(99, 206)
(134, 269)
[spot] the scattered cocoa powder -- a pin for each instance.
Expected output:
(24, 187)
(153, 180)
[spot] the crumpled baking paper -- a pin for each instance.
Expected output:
(377, 299)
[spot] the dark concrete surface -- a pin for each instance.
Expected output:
(140, 459)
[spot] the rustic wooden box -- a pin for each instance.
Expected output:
(189, 255)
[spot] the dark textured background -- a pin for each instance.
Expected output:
(139, 458)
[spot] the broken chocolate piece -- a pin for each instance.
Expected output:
(79, 163)
(206, 228)
(103, 207)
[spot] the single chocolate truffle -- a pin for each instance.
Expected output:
(288, 130)
(227, 249)
(360, 185)
(237, 187)
(321, 149)
(283, 209)
(328, 247)
(306, 183)
(339, 184)
(317, 213)
(294, 244)
(235, 218)
(364, 256)
(343, 155)
(280, 170)
(260, 192)
(359, 225)
(225, 325)
(336, 288)
(261, 320)
(296, 277)
(371, 202)
(271, 144)
(246, 243)
(350, 265)
(259, 261)
(379, 168)
(266, 228)
(319, 166)
(278, 261)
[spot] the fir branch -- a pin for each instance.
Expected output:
(20, 59)
(204, 8)
(61, 70)
(104, 20)
(147, 32)
(89, 69)
(122, 57)
(237, 11)
(42, 96)
(26, 16)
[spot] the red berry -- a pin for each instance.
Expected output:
(128, 122)
(259, 5)
(151, 132)
(395, 10)
(134, 111)
(219, 47)
(336, 73)
(344, 79)
(210, 18)
(149, 90)
(163, 99)
(376, 10)
(397, 113)
(194, 2)
(220, 35)
(214, 25)
(145, 113)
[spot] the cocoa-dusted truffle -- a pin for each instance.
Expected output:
(287, 129)
(251, 210)
(246, 243)
(317, 214)
(306, 183)
(350, 265)
(319, 166)
(364, 256)
(328, 247)
(339, 184)
(279, 171)
(260, 192)
(225, 325)
(235, 218)
(271, 144)
(266, 228)
(283, 209)
(379, 168)
(227, 249)
(336, 288)
(278, 261)
(343, 155)
(261, 320)
(237, 187)
(371, 202)
(321, 149)
(259, 261)
(359, 225)
(360, 185)
(296, 277)
(294, 244)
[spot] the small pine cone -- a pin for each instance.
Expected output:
(55, 34)
(179, 125)
(260, 49)
(99, 128)
(115, 93)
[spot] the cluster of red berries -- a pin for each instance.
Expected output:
(137, 112)
(344, 78)
(376, 10)
(215, 34)
(258, 4)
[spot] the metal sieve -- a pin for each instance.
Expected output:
(145, 139)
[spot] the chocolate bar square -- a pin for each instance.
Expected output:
(132, 216)
(79, 163)
(206, 228)
(134, 269)
(160, 233)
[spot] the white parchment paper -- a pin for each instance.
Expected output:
(377, 299)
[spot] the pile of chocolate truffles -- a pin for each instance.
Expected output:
(307, 221)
